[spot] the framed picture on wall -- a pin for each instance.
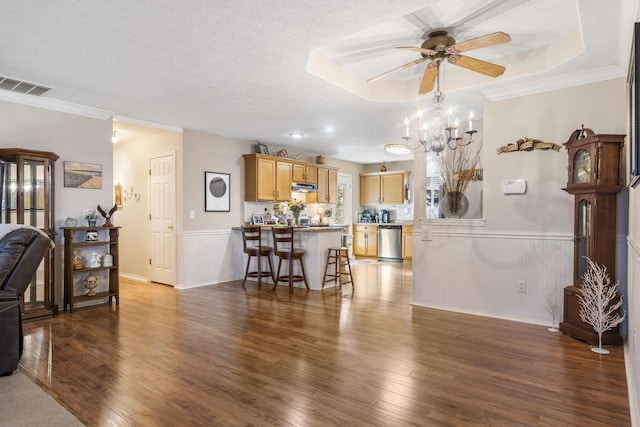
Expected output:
(216, 192)
(117, 195)
(82, 175)
(634, 111)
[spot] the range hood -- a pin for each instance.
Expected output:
(301, 187)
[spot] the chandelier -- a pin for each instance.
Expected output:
(439, 135)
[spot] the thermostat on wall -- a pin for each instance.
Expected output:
(514, 186)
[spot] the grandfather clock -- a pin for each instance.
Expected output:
(595, 178)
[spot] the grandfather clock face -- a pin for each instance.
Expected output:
(581, 167)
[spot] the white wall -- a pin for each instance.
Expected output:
(476, 267)
(131, 170)
(73, 138)
(207, 241)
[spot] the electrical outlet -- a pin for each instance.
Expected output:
(522, 286)
(192, 214)
(426, 234)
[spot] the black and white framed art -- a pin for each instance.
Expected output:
(217, 188)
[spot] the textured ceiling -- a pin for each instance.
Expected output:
(261, 70)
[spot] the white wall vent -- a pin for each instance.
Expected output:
(20, 86)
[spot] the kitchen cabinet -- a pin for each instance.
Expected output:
(365, 242)
(407, 241)
(29, 184)
(78, 243)
(267, 178)
(306, 174)
(327, 186)
(384, 188)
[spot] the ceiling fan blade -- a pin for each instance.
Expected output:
(418, 49)
(402, 67)
(477, 65)
(484, 41)
(429, 78)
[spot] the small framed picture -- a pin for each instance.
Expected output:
(117, 195)
(217, 188)
(92, 236)
(262, 149)
(257, 219)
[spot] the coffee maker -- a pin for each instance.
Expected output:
(384, 216)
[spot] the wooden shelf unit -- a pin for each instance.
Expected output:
(71, 244)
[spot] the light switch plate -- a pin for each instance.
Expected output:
(425, 234)
(514, 186)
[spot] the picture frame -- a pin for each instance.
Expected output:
(257, 219)
(82, 175)
(217, 190)
(117, 195)
(634, 109)
(262, 149)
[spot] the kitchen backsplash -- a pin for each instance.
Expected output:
(315, 211)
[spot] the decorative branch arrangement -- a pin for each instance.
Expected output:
(457, 168)
(597, 306)
(553, 305)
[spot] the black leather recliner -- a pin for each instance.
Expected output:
(21, 251)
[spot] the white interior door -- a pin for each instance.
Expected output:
(162, 245)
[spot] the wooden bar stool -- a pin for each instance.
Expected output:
(339, 258)
(253, 247)
(286, 250)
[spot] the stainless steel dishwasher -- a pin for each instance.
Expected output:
(390, 242)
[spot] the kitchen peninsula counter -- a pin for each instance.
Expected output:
(315, 240)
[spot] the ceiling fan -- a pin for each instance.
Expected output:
(439, 46)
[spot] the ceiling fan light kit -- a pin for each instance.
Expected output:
(437, 48)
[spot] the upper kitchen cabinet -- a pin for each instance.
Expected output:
(267, 178)
(327, 186)
(382, 188)
(307, 174)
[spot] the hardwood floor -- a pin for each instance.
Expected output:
(227, 356)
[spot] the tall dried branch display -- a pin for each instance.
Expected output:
(599, 302)
(457, 168)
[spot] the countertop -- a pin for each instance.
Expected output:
(385, 223)
(307, 229)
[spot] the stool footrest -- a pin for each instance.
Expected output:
(338, 257)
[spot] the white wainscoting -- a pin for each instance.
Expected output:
(210, 257)
(632, 353)
(478, 273)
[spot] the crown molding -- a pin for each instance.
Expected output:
(147, 123)
(55, 105)
(554, 83)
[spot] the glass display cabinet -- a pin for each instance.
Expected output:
(28, 198)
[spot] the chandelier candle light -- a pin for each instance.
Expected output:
(440, 136)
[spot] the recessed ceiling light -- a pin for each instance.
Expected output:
(296, 135)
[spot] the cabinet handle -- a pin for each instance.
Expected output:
(170, 227)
